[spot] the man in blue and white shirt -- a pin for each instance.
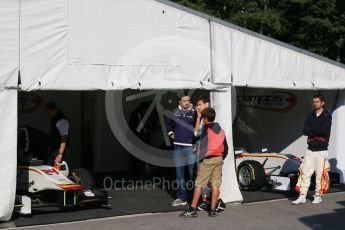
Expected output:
(181, 131)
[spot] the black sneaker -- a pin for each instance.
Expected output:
(189, 213)
(220, 205)
(203, 206)
(212, 213)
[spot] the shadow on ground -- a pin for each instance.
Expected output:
(128, 202)
(329, 221)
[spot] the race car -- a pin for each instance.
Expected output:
(277, 171)
(41, 185)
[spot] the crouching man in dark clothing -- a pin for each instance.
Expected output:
(213, 149)
(59, 134)
(317, 128)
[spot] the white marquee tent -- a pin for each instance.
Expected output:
(142, 44)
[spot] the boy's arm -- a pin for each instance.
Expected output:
(203, 143)
(226, 148)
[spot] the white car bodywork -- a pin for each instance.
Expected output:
(34, 179)
(278, 166)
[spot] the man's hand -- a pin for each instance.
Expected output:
(172, 136)
(195, 149)
(61, 150)
(58, 158)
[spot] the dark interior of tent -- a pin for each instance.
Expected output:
(259, 120)
(93, 143)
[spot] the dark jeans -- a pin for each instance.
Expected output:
(183, 155)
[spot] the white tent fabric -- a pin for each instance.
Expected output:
(9, 62)
(255, 62)
(337, 143)
(8, 152)
(9, 43)
(221, 101)
(85, 44)
(221, 54)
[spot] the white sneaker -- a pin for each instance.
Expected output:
(178, 202)
(317, 200)
(300, 200)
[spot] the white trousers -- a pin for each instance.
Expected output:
(314, 162)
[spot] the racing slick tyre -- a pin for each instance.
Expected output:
(83, 177)
(251, 175)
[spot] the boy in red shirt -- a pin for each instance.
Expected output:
(213, 149)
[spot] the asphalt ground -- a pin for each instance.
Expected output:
(265, 215)
(135, 202)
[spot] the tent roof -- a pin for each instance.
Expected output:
(147, 44)
(250, 32)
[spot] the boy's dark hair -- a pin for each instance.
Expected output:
(203, 99)
(210, 114)
(51, 106)
(320, 96)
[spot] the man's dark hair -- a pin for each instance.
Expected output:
(210, 114)
(182, 94)
(203, 99)
(320, 96)
(51, 106)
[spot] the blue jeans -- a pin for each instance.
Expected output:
(183, 155)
